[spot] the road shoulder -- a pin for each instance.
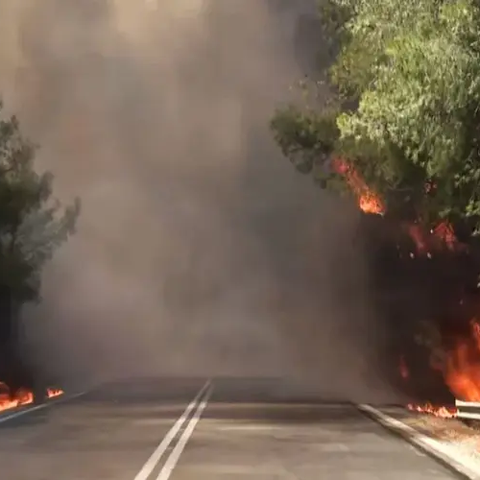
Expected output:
(15, 412)
(449, 441)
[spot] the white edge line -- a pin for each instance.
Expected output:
(26, 409)
(155, 457)
(431, 446)
(174, 456)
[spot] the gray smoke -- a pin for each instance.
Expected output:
(199, 251)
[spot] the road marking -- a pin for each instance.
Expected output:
(463, 466)
(155, 457)
(247, 428)
(174, 456)
(28, 409)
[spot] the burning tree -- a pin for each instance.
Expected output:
(32, 225)
(401, 132)
(412, 71)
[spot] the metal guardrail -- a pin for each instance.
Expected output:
(468, 410)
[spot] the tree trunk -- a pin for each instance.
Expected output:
(13, 369)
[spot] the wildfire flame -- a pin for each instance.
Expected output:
(22, 397)
(7, 401)
(437, 239)
(444, 232)
(443, 412)
(438, 411)
(461, 369)
(368, 201)
(54, 392)
(461, 376)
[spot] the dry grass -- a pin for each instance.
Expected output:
(462, 438)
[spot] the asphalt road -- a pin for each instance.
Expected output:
(237, 430)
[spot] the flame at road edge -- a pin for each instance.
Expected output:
(22, 397)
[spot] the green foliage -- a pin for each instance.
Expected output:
(305, 136)
(333, 18)
(309, 140)
(409, 71)
(32, 223)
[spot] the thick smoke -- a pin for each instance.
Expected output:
(199, 251)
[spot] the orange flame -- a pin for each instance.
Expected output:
(461, 369)
(443, 412)
(54, 392)
(21, 397)
(462, 366)
(438, 411)
(368, 201)
(461, 372)
(7, 401)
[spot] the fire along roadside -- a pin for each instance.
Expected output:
(27, 408)
(463, 466)
(197, 406)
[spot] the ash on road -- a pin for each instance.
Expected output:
(189, 429)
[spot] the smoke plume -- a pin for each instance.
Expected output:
(199, 251)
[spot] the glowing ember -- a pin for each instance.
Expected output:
(443, 412)
(418, 236)
(428, 408)
(436, 239)
(54, 392)
(368, 201)
(429, 187)
(403, 369)
(444, 232)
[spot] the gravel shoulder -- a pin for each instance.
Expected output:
(461, 440)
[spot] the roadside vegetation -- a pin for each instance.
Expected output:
(33, 224)
(400, 134)
(405, 113)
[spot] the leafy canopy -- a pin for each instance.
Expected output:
(32, 222)
(407, 93)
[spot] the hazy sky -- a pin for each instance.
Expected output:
(199, 249)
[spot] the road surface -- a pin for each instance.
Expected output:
(236, 430)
